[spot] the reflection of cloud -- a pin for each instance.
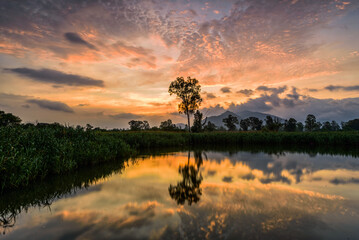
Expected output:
(337, 181)
(227, 179)
(136, 204)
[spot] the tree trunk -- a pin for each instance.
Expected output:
(189, 124)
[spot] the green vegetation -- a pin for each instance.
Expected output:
(31, 152)
(28, 153)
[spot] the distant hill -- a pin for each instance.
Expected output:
(261, 116)
(218, 120)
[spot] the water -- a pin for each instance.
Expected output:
(194, 195)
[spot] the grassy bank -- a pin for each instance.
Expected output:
(32, 153)
(28, 154)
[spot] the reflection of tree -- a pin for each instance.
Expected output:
(189, 188)
(7, 221)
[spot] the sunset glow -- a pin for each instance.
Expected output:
(108, 62)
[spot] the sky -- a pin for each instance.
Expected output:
(108, 62)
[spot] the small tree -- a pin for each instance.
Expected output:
(290, 125)
(351, 125)
(273, 124)
(189, 93)
(139, 125)
(335, 126)
(255, 123)
(145, 125)
(300, 127)
(135, 125)
(311, 123)
(168, 125)
(210, 127)
(230, 122)
(7, 119)
(244, 124)
(197, 123)
(326, 126)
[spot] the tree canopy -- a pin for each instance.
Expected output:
(188, 91)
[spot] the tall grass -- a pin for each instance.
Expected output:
(27, 154)
(31, 153)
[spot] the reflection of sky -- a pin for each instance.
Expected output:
(136, 204)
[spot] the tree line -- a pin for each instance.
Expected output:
(270, 123)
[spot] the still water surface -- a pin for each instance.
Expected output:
(194, 195)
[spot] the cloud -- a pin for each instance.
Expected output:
(294, 104)
(337, 181)
(83, 105)
(225, 89)
(53, 76)
(76, 39)
(272, 90)
(126, 116)
(210, 95)
(246, 92)
(51, 105)
(333, 88)
(25, 106)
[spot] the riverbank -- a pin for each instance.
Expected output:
(30, 154)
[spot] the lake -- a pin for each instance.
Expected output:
(197, 194)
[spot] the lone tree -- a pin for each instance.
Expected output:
(189, 93)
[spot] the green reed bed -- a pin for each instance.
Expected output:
(28, 154)
(33, 153)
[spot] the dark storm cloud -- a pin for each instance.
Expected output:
(226, 90)
(333, 88)
(125, 116)
(246, 92)
(76, 39)
(51, 105)
(52, 76)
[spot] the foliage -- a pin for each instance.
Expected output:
(255, 123)
(244, 124)
(311, 123)
(351, 125)
(35, 152)
(8, 119)
(198, 123)
(188, 91)
(273, 124)
(168, 125)
(210, 127)
(230, 122)
(300, 127)
(138, 125)
(290, 125)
